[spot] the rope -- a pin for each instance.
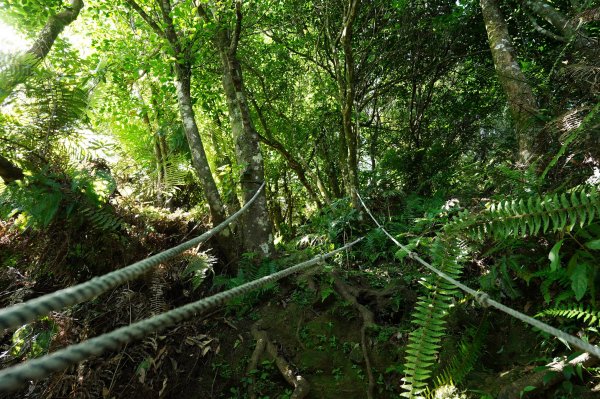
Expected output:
(484, 299)
(14, 377)
(22, 313)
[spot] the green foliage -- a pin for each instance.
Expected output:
(40, 200)
(251, 268)
(576, 312)
(468, 352)
(429, 318)
(500, 277)
(33, 340)
(198, 265)
(516, 218)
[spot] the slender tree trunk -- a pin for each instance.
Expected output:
(160, 134)
(331, 171)
(199, 160)
(256, 227)
(521, 101)
(183, 77)
(347, 92)
(158, 154)
(23, 67)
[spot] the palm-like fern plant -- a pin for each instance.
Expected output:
(538, 214)
(531, 216)
(429, 317)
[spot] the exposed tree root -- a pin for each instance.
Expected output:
(545, 379)
(349, 294)
(300, 384)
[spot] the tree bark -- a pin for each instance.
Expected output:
(9, 172)
(23, 66)
(521, 101)
(183, 78)
(224, 162)
(347, 93)
(256, 227)
(199, 159)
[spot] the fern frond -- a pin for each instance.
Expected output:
(198, 265)
(429, 317)
(464, 361)
(577, 312)
(14, 68)
(102, 219)
(516, 218)
(158, 283)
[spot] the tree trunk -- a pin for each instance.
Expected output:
(158, 153)
(199, 160)
(347, 92)
(521, 101)
(256, 227)
(23, 67)
(224, 162)
(183, 77)
(9, 172)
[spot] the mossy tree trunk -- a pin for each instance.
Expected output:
(256, 226)
(521, 101)
(344, 72)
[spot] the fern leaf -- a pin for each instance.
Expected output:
(429, 317)
(464, 361)
(578, 312)
(520, 217)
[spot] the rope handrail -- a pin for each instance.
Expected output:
(22, 313)
(16, 376)
(484, 299)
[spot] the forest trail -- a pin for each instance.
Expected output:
(15, 377)
(388, 199)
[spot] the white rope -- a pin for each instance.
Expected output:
(35, 369)
(22, 313)
(484, 299)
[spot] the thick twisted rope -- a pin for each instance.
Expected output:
(484, 299)
(22, 313)
(14, 377)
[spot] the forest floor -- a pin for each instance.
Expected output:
(335, 334)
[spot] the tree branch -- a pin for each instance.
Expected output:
(235, 39)
(151, 22)
(41, 47)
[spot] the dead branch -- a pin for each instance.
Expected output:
(368, 318)
(300, 384)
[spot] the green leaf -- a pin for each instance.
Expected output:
(579, 281)
(554, 256)
(595, 244)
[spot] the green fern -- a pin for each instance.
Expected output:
(531, 216)
(14, 68)
(430, 318)
(575, 312)
(101, 219)
(198, 266)
(464, 361)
